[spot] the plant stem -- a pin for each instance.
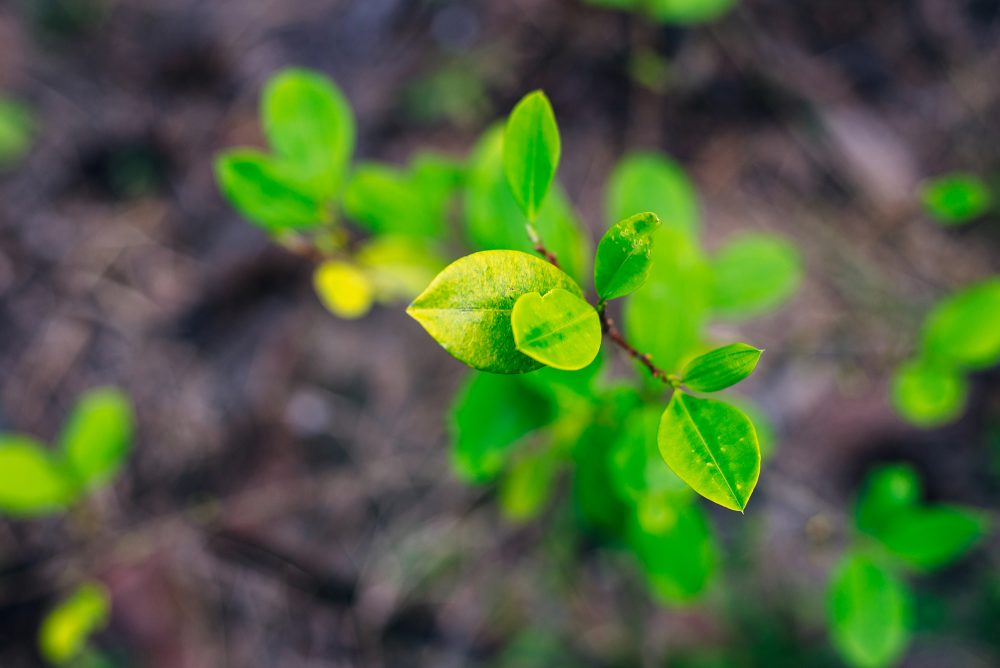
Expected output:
(540, 248)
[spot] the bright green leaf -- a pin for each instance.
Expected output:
(467, 307)
(16, 131)
(885, 494)
(266, 191)
(623, 256)
(527, 485)
(493, 220)
(688, 11)
(956, 198)
(98, 436)
(964, 329)
(309, 123)
(932, 537)
(721, 368)
(711, 446)
(531, 151)
(489, 415)
(32, 481)
(636, 465)
(67, 628)
(869, 613)
(754, 274)
(651, 182)
(680, 558)
(928, 395)
(345, 290)
(559, 329)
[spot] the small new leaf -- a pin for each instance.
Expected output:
(345, 290)
(531, 151)
(32, 481)
(721, 368)
(623, 256)
(65, 631)
(560, 329)
(927, 394)
(266, 191)
(964, 329)
(98, 436)
(955, 199)
(711, 446)
(467, 307)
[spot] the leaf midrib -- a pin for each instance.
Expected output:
(732, 493)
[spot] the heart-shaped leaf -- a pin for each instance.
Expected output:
(721, 368)
(560, 329)
(531, 151)
(623, 256)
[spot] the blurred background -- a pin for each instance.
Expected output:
(289, 500)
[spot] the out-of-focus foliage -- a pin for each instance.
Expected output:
(753, 274)
(928, 395)
(344, 289)
(67, 628)
(17, 131)
(35, 480)
(956, 199)
(672, 11)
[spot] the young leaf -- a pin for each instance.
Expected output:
(531, 151)
(98, 436)
(927, 394)
(623, 256)
(955, 199)
(930, 538)
(32, 481)
(651, 182)
(754, 274)
(16, 130)
(489, 415)
(964, 329)
(345, 290)
(886, 493)
(711, 446)
(721, 368)
(558, 329)
(266, 191)
(467, 307)
(66, 629)
(309, 123)
(869, 613)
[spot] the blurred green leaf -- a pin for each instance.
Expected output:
(869, 613)
(559, 329)
(885, 493)
(399, 266)
(688, 11)
(17, 131)
(488, 416)
(344, 289)
(955, 199)
(527, 485)
(927, 394)
(711, 446)
(754, 274)
(721, 368)
(680, 558)
(467, 307)
(98, 436)
(932, 537)
(67, 628)
(32, 480)
(964, 329)
(494, 221)
(309, 123)
(636, 465)
(624, 256)
(651, 182)
(531, 150)
(267, 191)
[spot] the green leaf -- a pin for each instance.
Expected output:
(930, 538)
(955, 199)
(531, 151)
(636, 465)
(493, 219)
(869, 612)
(67, 628)
(964, 329)
(886, 492)
(623, 256)
(687, 12)
(467, 307)
(309, 123)
(399, 266)
(16, 131)
(559, 329)
(32, 481)
(680, 558)
(266, 191)
(98, 436)
(527, 485)
(489, 415)
(711, 446)
(927, 394)
(344, 289)
(665, 317)
(721, 368)
(651, 182)
(754, 274)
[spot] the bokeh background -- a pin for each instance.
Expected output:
(289, 501)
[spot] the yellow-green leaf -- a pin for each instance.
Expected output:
(98, 436)
(559, 329)
(623, 256)
(467, 307)
(928, 394)
(527, 485)
(67, 628)
(721, 368)
(711, 446)
(531, 151)
(32, 480)
(344, 289)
